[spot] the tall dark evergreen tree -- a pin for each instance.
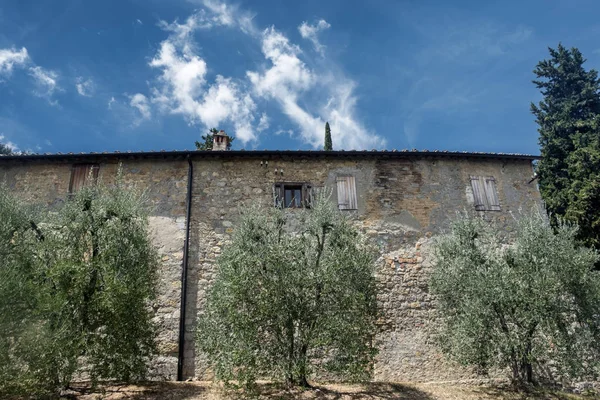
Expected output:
(328, 144)
(568, 119)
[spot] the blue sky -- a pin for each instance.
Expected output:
(82, 75)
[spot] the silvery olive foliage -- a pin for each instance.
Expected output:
(291, 299)
(529, 303)
(76, 285)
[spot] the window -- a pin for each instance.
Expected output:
(484, 193)
(346, 193)
(83, 174)
(292, 195)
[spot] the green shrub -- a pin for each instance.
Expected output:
(287, 303)
(531, 304)
(75, 290)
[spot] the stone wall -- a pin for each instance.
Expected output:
(402, 204)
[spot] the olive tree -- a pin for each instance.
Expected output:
(530, 303)
(288, 302)
(76, 286)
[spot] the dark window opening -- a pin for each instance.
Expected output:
(292, 195)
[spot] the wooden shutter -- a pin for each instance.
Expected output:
(83, 174)
(491, 194)
(278, 195)
(478, 193)
(307, 195)
(346, 193)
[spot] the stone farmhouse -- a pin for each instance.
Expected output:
(400, 199)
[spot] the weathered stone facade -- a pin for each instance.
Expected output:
(403, 199)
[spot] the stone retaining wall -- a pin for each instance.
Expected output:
(402, 204)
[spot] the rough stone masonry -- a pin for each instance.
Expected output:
(399, 199)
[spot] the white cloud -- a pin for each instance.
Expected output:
(84, 87)
(225, 101)
(13, 147)
(289, 81)
(311, 32)
(110, 102)
(307, 96)
(182, 79)
(11, 57)
(263, 123)
(231, 16)
(140, 102)
(46, 82)
(288, 74)
(183, 89)
(139, 21)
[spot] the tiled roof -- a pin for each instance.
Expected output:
(236, 153)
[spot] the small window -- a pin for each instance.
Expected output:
(83, 174)
(292, 195)
(485, 193)
(346, 193)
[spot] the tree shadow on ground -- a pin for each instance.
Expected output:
(334, 392)
(145, 391)
(509, 392)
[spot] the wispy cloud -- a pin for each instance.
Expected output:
(263, 123)
(85, 87)
(289, 79)
(231, 15)
(311, 32)
(46, 82)
(111, 102)
(13, 147)
(140, 102)
(183, 89)
(308, 96)
(11, 57)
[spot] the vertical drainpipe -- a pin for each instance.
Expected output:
(184, 269)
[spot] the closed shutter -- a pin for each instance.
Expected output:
(307, 195)
(278, 195)
(491, 194)
(478, 193)
(83, 174)
(346, 193)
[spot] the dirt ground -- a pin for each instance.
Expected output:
(372, 391)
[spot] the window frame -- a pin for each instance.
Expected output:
(349, 189)
(92, 169)
(306, 194)
(485, 193)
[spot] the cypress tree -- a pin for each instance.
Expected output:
(328, 144)
(569, 170)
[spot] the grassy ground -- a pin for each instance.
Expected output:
(372, 391)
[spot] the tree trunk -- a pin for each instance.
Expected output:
(291, 350)
(302, 379)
